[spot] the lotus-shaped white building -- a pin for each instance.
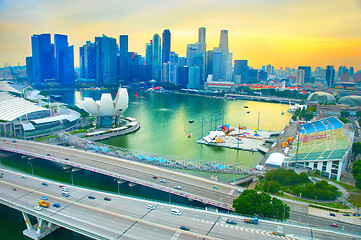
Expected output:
(106, 109)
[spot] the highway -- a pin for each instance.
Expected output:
(129, 218)
(193, 187)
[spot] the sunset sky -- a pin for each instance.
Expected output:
(278, 32)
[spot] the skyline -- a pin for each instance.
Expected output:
(281, 33)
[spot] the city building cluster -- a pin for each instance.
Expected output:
(105, 62)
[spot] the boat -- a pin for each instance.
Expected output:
(189, 135)
(191, 121)
(283, 113)
(245, 106)
(248, 111)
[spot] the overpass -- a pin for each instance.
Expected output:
(129, 218)
(204, 190)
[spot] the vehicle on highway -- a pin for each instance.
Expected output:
(56, 205)
(48, 154)
(107, 198)
(67, 159)
(253, 221)
(91, 197)
(14, 141)
(163, 181)
(151, 207)
(65, 189)
(231, 221)
(178, 187)
(44, 184)
(37, 208)
(184, 228)
(346, 214)
(240, 190)
(44, 198)
(43, 203)
(61, 186)
(215, 186)
(155, 177)
(356, 214)
(65, 194)
(1, 175)
(332, 214)
(25, 177)
(333, 225)
(175, 212)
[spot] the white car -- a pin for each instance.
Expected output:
(175, 212)
(37, 208)
(178, 187)
(151, 207)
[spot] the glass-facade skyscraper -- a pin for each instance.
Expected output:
(123, 52)
(330, 76)
(156, 57)
(64, 60)
(166, 46)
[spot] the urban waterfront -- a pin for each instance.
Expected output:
(165, 125)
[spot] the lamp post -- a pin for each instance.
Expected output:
(31, 166)
(71, 175)
(117, 183)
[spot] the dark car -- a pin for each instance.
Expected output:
(48, 154)
(44, 183)
(333, 225)
(184, 228)
(231, 221)
(356, 214)
(92, 197)
(107, 198)
(154, 177)
(14, 141)
(56, 205)
(67, 159)
(332, 214)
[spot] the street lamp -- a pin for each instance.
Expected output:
(117, 183)
(71, 175)
(31, 166)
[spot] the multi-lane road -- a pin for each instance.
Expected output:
(129, 218)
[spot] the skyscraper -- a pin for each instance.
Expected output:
(87, 61)
(202, 35)
(29, 68)
(148, 53)
(223, 46)
(64, 60)
(307, 78)
(330, 76)
(241, 69)
(43, 58)
(300, 77)
(193, 77)
(202, 50)
(173, 68)
(156, 57)
(106, 61)
(352, 72)
(166, 46)
(123, 53)
(217, 65)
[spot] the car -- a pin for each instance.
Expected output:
(178, 187)
(25, 177)
(333, 225)
(65, 189)
(14, 141)
(67, 159)
(56, 205)
(184, 228)
(215, 186)
(163, 181)
(44, 184)
(346, 214)
(107, 199)
(65, 194)
(44, 198)
(231, 221)
(91, 197)
(48, 154)
(37, 208)
(175, 212)
(155, 177)
(61, 186)
(151, 207)
(332, 214)
(240, 190)
(356, 214)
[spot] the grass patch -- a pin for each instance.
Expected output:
(355, 200)
(338, 205)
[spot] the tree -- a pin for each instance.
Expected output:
(356, 148)
(260, 204)
(356, 171)
(358, 114)
(345, 114)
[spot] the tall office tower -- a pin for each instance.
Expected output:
(182, 77)
(341, 69)
(156, 57)
(223, 46)
(192, 51)
(166, 46)
(43, 58)
(202, 50)
(173, 68)
(182, 61)
(307, 73)
(352, 72)
(29, 68)
(165, 72)
(87, 61)
(194, 74)
(300, 77)
(345, 77)
(330, 76)
(217, 65)
(241, 69)
(148, 53)
(209, 62)
(264, 68)
(269, 70)
(357, 77)
(123, 53)
(64, 60)
(252, 76)
(262, 75)
(318, 72)
(106, 61)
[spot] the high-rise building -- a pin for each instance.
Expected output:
(345, 77)
(262, 75)
(352, 72)
(300, 77)
(43, 58)
(156, 57)
(209, 62)
(64, 60)
(341, 69)
(148, 53)
(252, 76)
(202, 50)
(166, 46)
(330, 76)
(87, 61)
(357, 77)
(269, 70)
(123, 53)
(217, 65)
(182, 76)
(173, 68)
(241, 69)
(202, 35)
(223, 46)
(307, 78)
(194, 74)
(29, 68)
(106, 61)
